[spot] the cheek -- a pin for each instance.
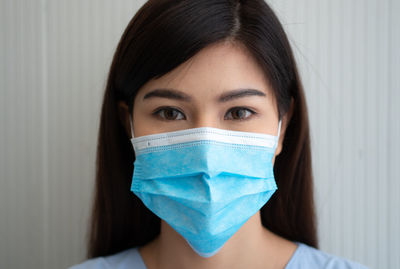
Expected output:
(141, 127)
(140, 124)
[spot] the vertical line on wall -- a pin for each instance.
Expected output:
(376, 177)
(383, 77)
(364, 97)
(354, 156)
(44, 91)
(340, 83)
(392, 136)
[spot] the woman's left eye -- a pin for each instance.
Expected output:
(239, 113)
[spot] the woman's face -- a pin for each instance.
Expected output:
(220, 87)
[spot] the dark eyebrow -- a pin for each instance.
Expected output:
(228, 96)
(168, 93)
(181, 96)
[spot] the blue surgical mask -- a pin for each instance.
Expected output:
(204, 182)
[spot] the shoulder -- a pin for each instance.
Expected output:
(309, 257)
(129, 258)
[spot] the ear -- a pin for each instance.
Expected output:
(123, 113)
(285, 121)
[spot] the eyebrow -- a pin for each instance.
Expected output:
(168, 93)
(239, 93)
(181, 96)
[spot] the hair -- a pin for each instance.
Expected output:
(162, 35)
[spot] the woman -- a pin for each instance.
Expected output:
(204, 152)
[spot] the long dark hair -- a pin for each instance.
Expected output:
(162, 35)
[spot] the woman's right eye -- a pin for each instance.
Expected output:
(169, 113)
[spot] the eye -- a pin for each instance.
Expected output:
(239, 113)
(169, 113)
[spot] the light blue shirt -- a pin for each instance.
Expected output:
(304, 257)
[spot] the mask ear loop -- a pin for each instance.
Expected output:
(131, 124)
(279, 128)
(279, 132)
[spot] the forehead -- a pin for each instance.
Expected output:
(215, 69)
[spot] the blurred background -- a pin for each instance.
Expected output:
(54, 59)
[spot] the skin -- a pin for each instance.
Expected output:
(214, 71)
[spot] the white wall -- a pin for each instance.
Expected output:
(54, 58)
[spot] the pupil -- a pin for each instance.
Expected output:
(239, 113)
(170, 114)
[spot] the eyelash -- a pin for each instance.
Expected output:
(157, 112)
